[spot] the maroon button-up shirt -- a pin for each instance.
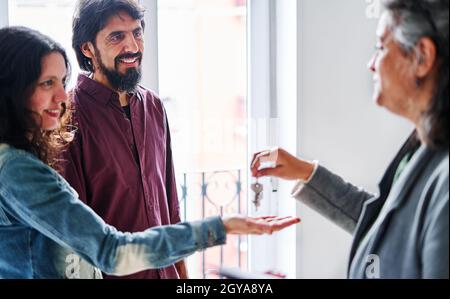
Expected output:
(131, 193)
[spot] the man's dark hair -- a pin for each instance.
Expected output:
(22, 50)
(91, 16)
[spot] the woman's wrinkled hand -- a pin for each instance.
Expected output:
(283, 165)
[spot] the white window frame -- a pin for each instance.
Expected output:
(261, 118)
(4, 13)
(274, 70)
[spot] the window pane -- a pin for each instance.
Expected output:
(202, 68)
(51, 17)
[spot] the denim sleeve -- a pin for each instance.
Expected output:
(332, 197)
(38, 197)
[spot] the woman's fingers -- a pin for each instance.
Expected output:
(256, 163)
(256, 158)
(268, 218)
(253, 166)
(270, 224)
(257, 226)
(283, 223)
(264, 156)
(273, 172)
(274, 219)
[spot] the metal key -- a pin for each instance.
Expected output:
(258, 190)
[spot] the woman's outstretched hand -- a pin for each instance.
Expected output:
(284, 165)
(241, 225)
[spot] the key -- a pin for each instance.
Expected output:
(258, 190)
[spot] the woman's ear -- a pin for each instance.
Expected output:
(425, 57)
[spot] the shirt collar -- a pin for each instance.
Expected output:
(98, 91)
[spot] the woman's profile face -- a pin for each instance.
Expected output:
(394, 79)
(50, 93)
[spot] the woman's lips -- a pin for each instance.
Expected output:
(53, 113)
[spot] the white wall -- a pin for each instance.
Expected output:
(150, 63)
(338, 122)
(3, 13)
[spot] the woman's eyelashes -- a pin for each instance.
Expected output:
(48, 84)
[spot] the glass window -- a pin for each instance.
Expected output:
(203, 82)
(51, 17)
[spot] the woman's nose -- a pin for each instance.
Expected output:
(371, 64)
(61, 95)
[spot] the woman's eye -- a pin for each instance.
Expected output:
(379, 47)
(48, 83)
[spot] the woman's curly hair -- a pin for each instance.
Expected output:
(22, 51)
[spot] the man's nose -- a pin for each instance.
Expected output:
(131, 45)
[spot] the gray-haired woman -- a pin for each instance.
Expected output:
(403, 232)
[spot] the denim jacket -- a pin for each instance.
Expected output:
(47, 232)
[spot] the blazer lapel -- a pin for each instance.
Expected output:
(409, 177)
(401, 190)
(372, 208)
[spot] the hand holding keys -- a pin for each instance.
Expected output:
(266, 160)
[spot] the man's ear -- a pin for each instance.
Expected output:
(425, 57)
(88, 50)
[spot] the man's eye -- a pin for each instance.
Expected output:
(117, 37)
(138, 34)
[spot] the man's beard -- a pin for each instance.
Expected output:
(121, 82)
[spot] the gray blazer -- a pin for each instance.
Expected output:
(401, 233)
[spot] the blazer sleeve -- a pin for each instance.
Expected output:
(334, 198)
(435, 249)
